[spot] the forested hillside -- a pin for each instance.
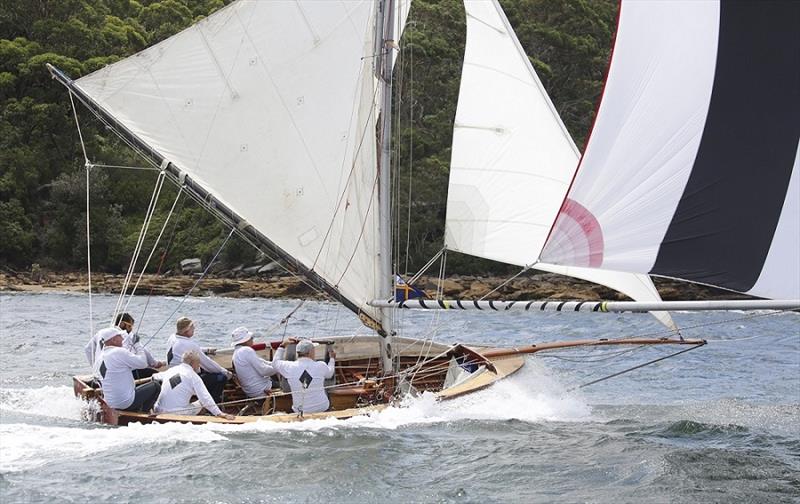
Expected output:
(42, 175)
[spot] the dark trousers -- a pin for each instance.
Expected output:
(145, 398)
(138, 374)
(215, 383)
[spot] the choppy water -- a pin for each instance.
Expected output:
(719, 424)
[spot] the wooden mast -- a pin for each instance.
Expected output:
(384, 36)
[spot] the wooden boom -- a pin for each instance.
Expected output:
(559, 345)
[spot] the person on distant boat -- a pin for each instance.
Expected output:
(131, 343)
(114, 366)
(252, 372)
(306, 376)
(180, 383)
(213, 375)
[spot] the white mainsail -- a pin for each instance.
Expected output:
(512, 158)
(271, 107)
(691, 170)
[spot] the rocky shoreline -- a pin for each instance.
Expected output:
(527, 286)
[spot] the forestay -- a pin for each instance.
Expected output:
(691, 170)
(512, 158)
(271, 107)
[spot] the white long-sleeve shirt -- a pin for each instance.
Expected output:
(179, 344)
(308, 397)
(253, 372)
(114, 366)
(178, 385)
(132, 344)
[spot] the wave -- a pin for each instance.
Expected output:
(30, 446)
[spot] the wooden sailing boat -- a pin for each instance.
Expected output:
(268, 112)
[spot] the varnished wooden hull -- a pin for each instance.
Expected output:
(346, 401)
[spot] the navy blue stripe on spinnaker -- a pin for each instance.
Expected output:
(723, 226)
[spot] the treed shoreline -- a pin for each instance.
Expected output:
(526, 286)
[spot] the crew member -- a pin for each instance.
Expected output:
(180, 383)
(252, 372)
(212, 374)
(114, 366)
(306, 376)
(131, 343)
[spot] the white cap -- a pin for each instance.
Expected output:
(305, 346)
(109, 332)
(240, 335)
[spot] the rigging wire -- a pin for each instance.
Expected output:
(523, 270)
(87, 166)
(153, 250)
(137, 250)
(199, 279)
(164, 253)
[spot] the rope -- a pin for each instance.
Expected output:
(523, 270)
(161, 262)
(137, 250)
(153, 250)
(426, 267)
(635, 368)
(87, 165)
(202, 275)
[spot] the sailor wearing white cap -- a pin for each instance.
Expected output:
(306, 376)
(114, 366)
(212, 374)
(253, 372)
(180, 383)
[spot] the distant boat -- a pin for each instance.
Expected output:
(268, 114)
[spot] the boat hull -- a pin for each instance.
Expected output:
(344, 400)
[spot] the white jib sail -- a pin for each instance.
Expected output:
(270, 106)
(512, 158)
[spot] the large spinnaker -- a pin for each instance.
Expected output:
(691, 170)
(271, 108)
(512, 158)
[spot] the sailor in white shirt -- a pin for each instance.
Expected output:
(113, 366)
(180, 383)
(212, 374)
(252, 372)
(306, 377)
(131, 343)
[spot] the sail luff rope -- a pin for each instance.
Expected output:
(87, 167)
(196, 283)
(137, 248)
(153, 250)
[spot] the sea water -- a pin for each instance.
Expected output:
(717, 424)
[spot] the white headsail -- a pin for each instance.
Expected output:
(512, 158)
(271, 108)
(691, 170)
